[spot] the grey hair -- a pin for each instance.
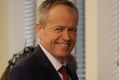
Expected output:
(48, 4)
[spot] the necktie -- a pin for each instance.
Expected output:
(64, 72)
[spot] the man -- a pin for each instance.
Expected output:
(57, 33)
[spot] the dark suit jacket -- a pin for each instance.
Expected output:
(36, 67)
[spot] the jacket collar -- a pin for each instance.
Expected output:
(46, 64)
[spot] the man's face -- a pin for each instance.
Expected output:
(58, 36)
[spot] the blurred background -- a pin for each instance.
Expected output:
(97, 48)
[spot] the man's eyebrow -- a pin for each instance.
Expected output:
(60, 26)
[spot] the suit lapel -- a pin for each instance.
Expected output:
(53, 75)
(46, 64)
(72, 73)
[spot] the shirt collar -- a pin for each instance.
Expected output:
(52, 59)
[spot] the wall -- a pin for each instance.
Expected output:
(3, 34)
(16, 26)
(108, 42)
(91, 39)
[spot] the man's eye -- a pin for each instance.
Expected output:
(73, 30)
(58, 29)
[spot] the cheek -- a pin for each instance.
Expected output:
(49, 39)
(73, 37)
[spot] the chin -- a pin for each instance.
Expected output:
(62, 54)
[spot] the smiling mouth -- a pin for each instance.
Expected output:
(64, 44)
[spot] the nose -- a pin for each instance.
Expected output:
(66, 36)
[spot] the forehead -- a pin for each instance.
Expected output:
(62, 9)
(62, 12)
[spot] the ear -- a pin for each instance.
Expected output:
(38, 29)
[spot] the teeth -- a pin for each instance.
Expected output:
(64, 45)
